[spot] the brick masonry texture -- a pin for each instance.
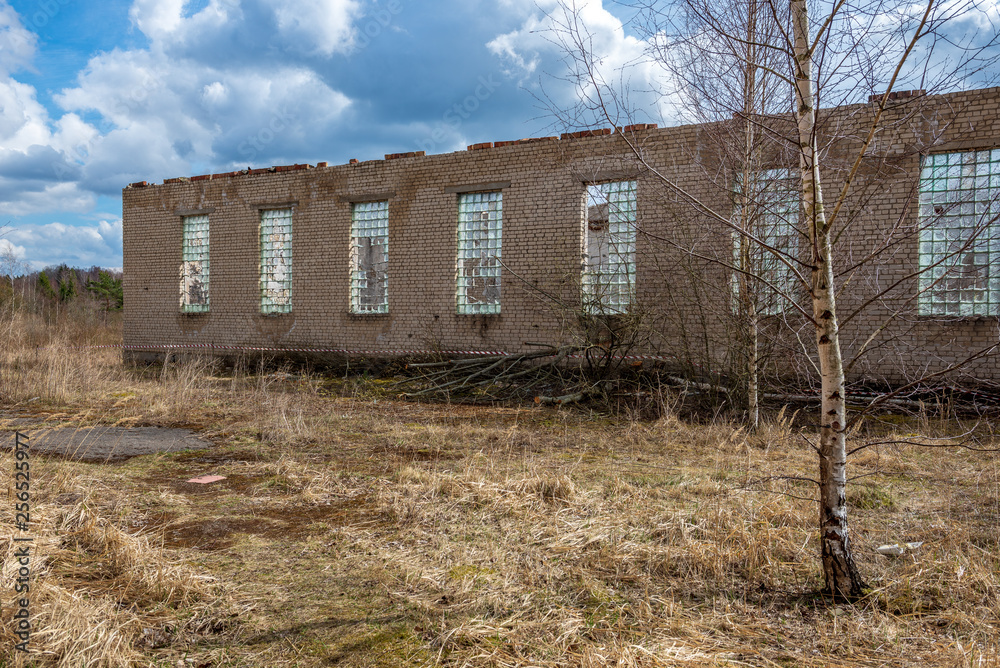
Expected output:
(683, 298)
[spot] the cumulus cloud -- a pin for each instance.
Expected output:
(23, 121)
(39, 164)
(544, 45)
(224, 85)
(233, 82)
(167, 115)
(139, 152)
(217, 85)
(39, 160)
(316, 27)
(36, 163)
(17, 44)
(544, 34)
(208, 91)
(159, 19)
(10, 254)
(76, 245)
(215, 94)
(27, 196)
(231, 31)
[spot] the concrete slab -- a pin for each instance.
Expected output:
(112, 444)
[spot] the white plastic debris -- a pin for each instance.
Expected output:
(897, 549)
(891, 550)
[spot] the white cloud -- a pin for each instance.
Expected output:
(9, 251)
(215, 93)
(545, 34)
(169, 115)
(23, 121)
(544, 46)
(207, 91)
(136, 153)
(157, 18)
(17, 44)
(230, 83)
(227, 28)
(316, 27)
(20, 198)
(521, 47)
(76, 245)
(39, 160)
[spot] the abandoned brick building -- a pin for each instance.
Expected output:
(516, 242)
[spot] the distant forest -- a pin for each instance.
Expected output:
(62, 289)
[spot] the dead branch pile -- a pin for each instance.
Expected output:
(490, 377)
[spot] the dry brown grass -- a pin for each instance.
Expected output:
(47, 360)
(98, 594)
(360, 530)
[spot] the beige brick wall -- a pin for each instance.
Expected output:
(683, 295)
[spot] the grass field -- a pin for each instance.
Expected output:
(358, 529)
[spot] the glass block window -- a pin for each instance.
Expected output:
(609, 248)
(370, 257)
(276, 261)
(770, 212)
(194, 264)
(959, 249)
(480, 232)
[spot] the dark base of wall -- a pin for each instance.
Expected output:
(968, 397)
(321, 362)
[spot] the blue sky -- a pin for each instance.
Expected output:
(94, 96)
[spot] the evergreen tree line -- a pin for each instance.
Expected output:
(62, 286)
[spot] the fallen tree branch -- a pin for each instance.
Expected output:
(566, 398)
(450, 376)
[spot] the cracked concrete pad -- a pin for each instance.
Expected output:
(112, 444)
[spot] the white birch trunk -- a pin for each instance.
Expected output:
(842, 577)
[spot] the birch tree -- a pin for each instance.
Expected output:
(832, 52)
(729, 81)
(842, 577)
